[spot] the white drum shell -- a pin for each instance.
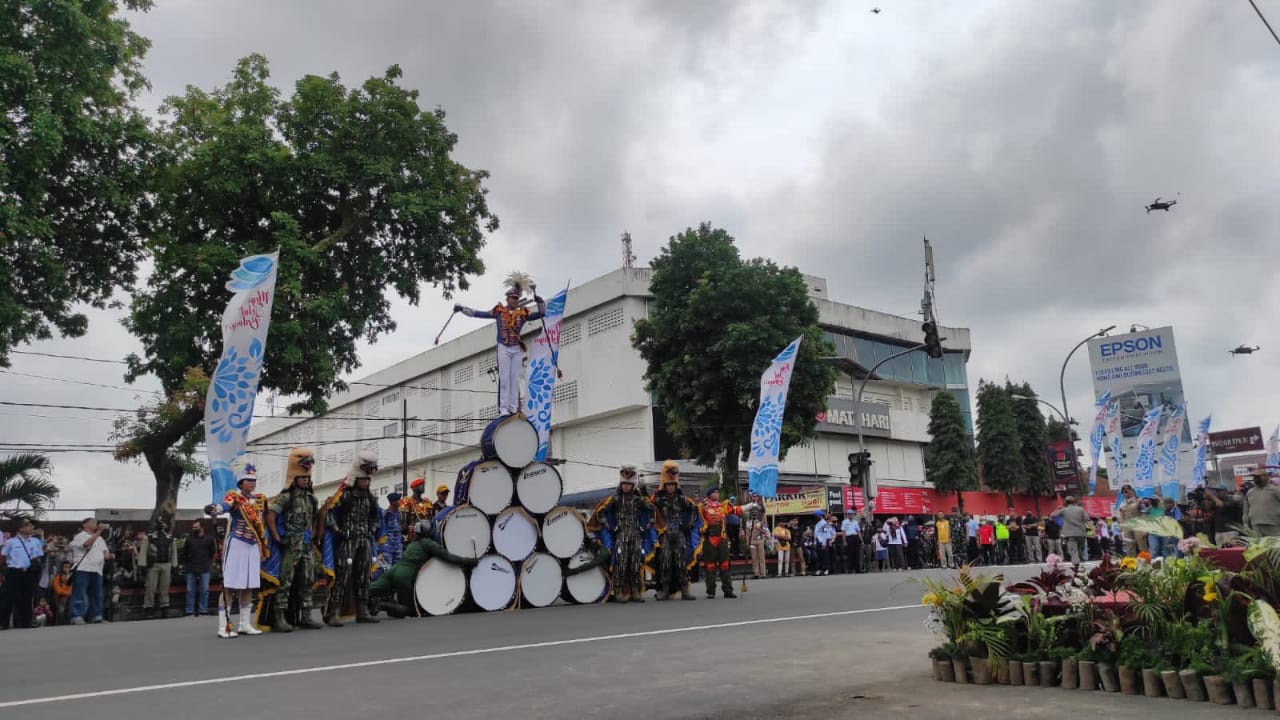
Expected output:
(515, 534)
(563, 532)
(539, 488)
(541, 579)
(466, 532)
(493, 583)
(585, 587)
(491, 487)
(440, 587)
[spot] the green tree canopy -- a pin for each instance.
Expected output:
(358, 190)
(24, 480)
(1033, 436)
(74, 163)
(999, 447)
(1057, 431)
(716, 324)
(949, 463)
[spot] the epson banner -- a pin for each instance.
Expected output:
(1128, 347)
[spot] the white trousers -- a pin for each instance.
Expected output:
(510, 363)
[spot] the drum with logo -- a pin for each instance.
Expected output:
(563, 531)
(511, 439)
(541, 579)
(440, 588)
(493, 583)
(515, 534)
(489, 486)
(466, 531)
(538, 487)
(588, 586)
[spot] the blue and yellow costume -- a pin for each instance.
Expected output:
(352, 533)
(679, 526)
(511, 319)
(624, 520)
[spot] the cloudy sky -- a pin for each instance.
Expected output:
(1023, 138)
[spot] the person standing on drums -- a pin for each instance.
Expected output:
(351, 519)
(678, 522)
(242, 554)
(623, 518)
(290, 520)
(417, 508)
(510, 322)
(715, 543)
(397, 584)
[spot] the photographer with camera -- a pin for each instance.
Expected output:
(88, 554)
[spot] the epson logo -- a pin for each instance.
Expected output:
(1125, 347)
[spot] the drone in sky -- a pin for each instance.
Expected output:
(1160, 204)
(875, 11)
(1244, 350)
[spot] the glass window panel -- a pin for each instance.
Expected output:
(955, 371)
(865, 352)
(937, 375)
(902, 368)
(919, 362)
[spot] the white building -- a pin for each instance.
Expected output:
(603, 414)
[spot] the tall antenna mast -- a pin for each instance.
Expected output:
(926, 303)
(628, 257)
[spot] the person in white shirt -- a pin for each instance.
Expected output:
(853, 544)
(87, 553)
(823, 535)
(897, 545)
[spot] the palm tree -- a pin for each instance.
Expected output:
(24, 480)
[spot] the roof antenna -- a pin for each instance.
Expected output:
(628, 257)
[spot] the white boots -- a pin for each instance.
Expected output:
(227, 630)
(246, 621)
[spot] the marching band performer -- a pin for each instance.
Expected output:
(417, 508)
(242, 554)
(394, 590)
(389, 552)
(510, 322)
(623, 519)
(291, 564)
(678, 524)
(715, 543)
(352, 522)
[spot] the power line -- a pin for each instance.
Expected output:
(67, 357)
(1263, 18)
(78, 382)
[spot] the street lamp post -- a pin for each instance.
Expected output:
(1068, 421)
(1062, 387)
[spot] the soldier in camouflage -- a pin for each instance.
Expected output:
(290, 519)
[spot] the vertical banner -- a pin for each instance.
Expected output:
(1169, 486)
(1096, 436)
(1115, 440)
(1202, 449)
(1273, 450)
(1144, 479)
(234, 385)
(766, 431)
(544, 360)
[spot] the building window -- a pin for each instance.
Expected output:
(906, 404)
(487, 414)
(488, 363)
(373, 408)
(570, 333)
(464, 374)
(391, 429)
(953, 364)
(605, 321)
(390, 398)
(565, 392)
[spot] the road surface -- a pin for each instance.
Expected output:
(832, 647)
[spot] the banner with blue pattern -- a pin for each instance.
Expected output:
(1144, 478)
(766, 431)
(544, 360)
(1169, 453)
(1202, 448)
(1096, 437)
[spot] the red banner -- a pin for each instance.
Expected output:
(853, 499)
(903, 500)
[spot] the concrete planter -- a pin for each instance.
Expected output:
(1015, 672)
(1070, 673)
(1218, 690)
(1088, 675)
(1243, 690)
(981, 670)
(1048, 673)
(1192, 685)
(1263, 696)
(1129, 684)
(1002, 672)
(960, 668)
(1030, 673)
(1151, 685)
(1110, 679)
(1172, 684)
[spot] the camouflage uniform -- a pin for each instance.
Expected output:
(355, 518)
(296, 508)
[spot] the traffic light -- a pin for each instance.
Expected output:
(933, 344)
(859, 464)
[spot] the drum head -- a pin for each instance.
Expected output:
(466, 532)
(440, 587)
(491, 487)
(541, 580)
(515, 534)
(585, 587)
(563, 532)
(538, 487)
(493, 583)
(513, 440)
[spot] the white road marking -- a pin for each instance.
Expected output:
(437, 656)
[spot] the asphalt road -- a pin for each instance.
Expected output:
(834, 647)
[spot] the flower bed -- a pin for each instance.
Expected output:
(1177, 628)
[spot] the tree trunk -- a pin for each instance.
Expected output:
(168, 475)
(959, 502)
(729, 474)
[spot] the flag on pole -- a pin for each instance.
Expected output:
(766, 432)
(544, 361)
(1144, 481)
(1096, 436)
(234, 385)
(1115, 440)
(1202, 448)
(1273, 450)
(1169, 452)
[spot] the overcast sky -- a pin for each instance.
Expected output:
(1023, 138)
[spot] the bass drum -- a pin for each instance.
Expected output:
(493, 583)
(538, 487)
(489, 486)
(515, 534)
(511, 439)
(540, 580)
(588, 586)
(465, 532)
(441, 587)
(563, 531)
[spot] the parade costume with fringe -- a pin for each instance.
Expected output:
(679, 526)
(624, 519)
(352, 528)
(715, 542)
(511, 347)
(290, 568)
(397, 584)
(416, 508)
(243, 553)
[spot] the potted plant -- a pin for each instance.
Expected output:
(1152, 665)
(942, 668)
(1088, 669)
(1015, 670)
(1105, 644)
(1192, 676)
(1238, 671)
(1066, 656)
(1129, 663)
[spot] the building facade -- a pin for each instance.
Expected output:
(603, 416)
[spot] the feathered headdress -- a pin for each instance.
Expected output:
(519, 282)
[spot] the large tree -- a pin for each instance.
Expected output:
(24, 480)
(74, 164)
(999, 447)
(949, 463)
(1033, 436)
(357, 189)
(716, 324)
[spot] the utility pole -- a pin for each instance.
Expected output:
(404, 446)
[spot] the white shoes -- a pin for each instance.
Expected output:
(246, 622)
(224, 628)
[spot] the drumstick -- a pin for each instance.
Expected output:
(446, 327)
